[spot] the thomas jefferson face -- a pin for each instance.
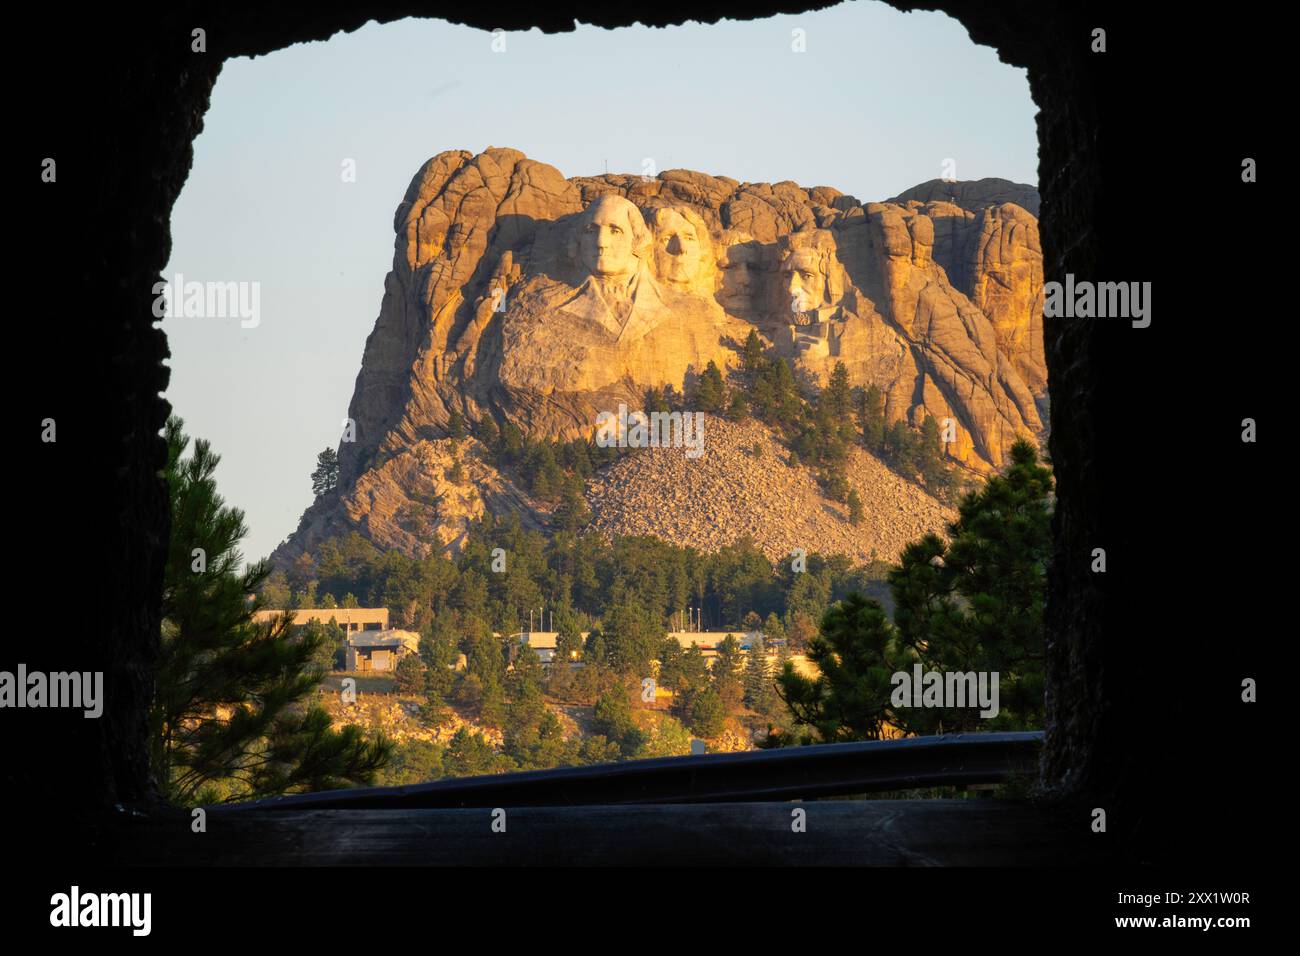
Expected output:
(677, 248)
(609, 237)
(803, 281)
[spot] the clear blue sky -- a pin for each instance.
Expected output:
(876, 104)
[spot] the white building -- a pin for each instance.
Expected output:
(543, 642)
(708, 641)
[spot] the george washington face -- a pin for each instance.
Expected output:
(611, 233)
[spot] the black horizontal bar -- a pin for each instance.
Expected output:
(788, 773)
(753, 833)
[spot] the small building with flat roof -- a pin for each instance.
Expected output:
(380, 650)
(708, 641)
(543, 642)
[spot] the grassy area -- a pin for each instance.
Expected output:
(366, 683)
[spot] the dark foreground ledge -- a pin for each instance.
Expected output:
(739, 809)
(969, 832)
(753, 775)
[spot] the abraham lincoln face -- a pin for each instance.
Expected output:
(804, 279)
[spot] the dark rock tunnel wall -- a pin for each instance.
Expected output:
(1126, 674)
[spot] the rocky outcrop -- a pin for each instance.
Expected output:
(994, 257)
(972, 194)
(742, 487)
(416, 501)
(544, 301)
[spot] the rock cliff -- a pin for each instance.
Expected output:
(544, 301)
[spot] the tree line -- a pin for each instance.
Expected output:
(234, 715)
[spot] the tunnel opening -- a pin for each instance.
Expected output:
(1115, 665)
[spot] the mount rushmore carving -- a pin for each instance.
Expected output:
(542, 300)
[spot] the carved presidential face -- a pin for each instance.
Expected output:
(803, 280)
(610, 236)
(679, 248)
(744, 274)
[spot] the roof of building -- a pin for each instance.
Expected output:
(709, 640)
(541, 639)
(341, 615)
(393, 637)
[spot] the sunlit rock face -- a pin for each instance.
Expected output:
(544, 300)
(614, 308)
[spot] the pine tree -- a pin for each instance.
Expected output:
(850, 699)
(707, 714)
(593, 649)
(488, 433)
(783, 654)
(929, 455)
(326, 476)
(774, 397)
(693, 674)
(758, 681)
(632, 638)
(710, 390)
(855, 507)
(525, 675)
(871, 417)
(568, 637)
(900, 448)
(836, 483)
(837, 397)
(670, 664)
(773, 630)
(332, 650)
(802, 628)
(511, 445)
(230, 715)
(979, 606)
(572, 513)
(974, 603)
(492, 711)
(469, 755)
(727, 679)
(275, 592)
(545, 477)
(456, 424)
(409, 676)
(434, 711)
(737, 407)
(612, 718)
(752, 360)
(439, 651)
